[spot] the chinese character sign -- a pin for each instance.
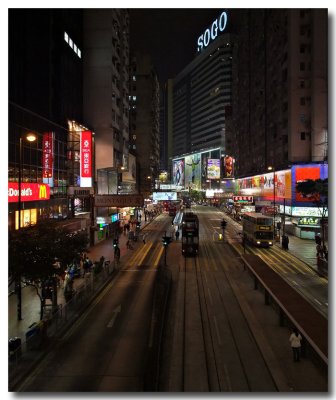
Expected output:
(86, 159)
(47, 158)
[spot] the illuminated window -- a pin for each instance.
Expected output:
(66, 37)
(75, 48)
(71, 43)
(79, 53)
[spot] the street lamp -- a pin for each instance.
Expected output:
(31, 137)
(271, 168)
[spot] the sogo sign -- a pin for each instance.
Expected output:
(29, 192)
(212, 33)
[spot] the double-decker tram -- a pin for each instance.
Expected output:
(190, 229)
(258, 229)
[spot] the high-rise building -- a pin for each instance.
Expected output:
(202, 97)
(280, 91)
(145, 120)
(106, 91)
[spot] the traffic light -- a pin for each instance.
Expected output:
(166, 240)
(223, 224)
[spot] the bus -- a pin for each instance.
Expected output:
(190, 227)
(258, 229)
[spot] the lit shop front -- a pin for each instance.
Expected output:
(37, 195)
(295, 213)
(114, 211)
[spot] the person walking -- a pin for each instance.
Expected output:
(295, 342)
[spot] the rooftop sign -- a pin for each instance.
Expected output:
(211, 33)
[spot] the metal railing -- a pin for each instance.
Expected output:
(42, 334)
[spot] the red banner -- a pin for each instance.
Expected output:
(47, 155)
(29, 192)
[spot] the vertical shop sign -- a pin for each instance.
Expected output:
(48, 158)
(86, 159)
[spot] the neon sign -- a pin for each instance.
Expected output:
(29, 192)
(86, 159)
(210, 34)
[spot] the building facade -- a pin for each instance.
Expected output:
(145, 121)
(202, 96)
(280, 93)
(45, 92)
(106, 91)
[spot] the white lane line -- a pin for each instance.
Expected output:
(317, 302)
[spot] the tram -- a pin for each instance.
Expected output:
(190, 233)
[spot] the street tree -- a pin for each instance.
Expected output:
(317, 192)
(35, 251)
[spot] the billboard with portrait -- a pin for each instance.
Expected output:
(193, 171)
(178, 173)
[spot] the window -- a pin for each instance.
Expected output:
(302, 101)
(71, 43)
(66, 37)
(302, 66)
(302, 84)
(134, 78)
(302, 48)
(303, 135)
(79, 53)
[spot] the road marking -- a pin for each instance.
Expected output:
(317, 302)
(116, 311)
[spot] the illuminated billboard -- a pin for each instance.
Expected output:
(227, 167)
(161, 196)
(178, 172)
(47, 158)
(193, 171)
(86, 159)
(213, 168)
(29, 192)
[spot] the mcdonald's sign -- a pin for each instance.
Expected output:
(29, 192)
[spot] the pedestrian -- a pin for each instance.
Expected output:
(295, 342)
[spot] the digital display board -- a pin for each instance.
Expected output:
(213, 168)
(161, 196)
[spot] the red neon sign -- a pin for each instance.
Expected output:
(29, 192)
(47, 155)
(86, 154)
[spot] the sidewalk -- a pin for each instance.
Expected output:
(31, 302)
(304, 249)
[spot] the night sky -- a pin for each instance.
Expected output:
(169, 35)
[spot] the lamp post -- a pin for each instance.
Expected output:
(31, 137)
(271, 168)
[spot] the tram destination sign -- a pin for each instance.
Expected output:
(118, 200)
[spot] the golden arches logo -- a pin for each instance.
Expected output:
(43, 192)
